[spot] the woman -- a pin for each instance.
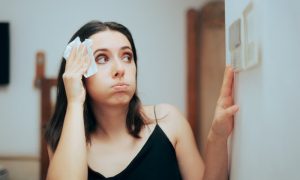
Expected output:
(100, 130)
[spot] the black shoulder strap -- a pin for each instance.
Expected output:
(155, 114)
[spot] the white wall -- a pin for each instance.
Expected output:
(158, 28)
(265, 142)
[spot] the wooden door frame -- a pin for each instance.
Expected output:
(211, 14)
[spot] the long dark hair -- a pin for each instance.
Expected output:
(134, 119)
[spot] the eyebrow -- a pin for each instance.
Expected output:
(105, 49)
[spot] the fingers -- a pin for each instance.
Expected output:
(80, 54)
(78, 61)
(225, 109)
(72, 56)
(85, 63)
(225, 102)
(227, 85)
(232, 110)
(227, 114)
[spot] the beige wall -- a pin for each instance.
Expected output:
(21, 168)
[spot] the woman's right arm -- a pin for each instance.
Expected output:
(69, 161)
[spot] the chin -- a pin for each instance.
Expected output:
(120, 100)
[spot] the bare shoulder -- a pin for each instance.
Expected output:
(161, 113)
(169, 118)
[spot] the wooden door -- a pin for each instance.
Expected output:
(206, 64)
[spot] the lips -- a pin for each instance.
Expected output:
(119, 87)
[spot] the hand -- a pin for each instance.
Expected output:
(76, 65)
(223, 122)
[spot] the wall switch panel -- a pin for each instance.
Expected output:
(250, 37)
(235, 45)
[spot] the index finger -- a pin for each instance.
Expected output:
(72, 55)
(226, 89)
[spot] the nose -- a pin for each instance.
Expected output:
(119, 69)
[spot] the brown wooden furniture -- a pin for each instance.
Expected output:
(45, 85)
(205, 66)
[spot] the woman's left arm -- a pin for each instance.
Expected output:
(216, 158)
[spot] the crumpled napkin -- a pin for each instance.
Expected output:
(88, 43)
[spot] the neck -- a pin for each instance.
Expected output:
(111, 120)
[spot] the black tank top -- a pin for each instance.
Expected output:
(155, 161)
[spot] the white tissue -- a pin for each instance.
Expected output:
(88, 43)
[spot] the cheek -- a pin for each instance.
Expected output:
(132, 77)
(132, 72)
(95, 85)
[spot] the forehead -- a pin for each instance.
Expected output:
(109, 40)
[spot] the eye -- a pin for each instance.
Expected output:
(101, 59)
(127, 57)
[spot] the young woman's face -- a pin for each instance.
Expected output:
(115, 81)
